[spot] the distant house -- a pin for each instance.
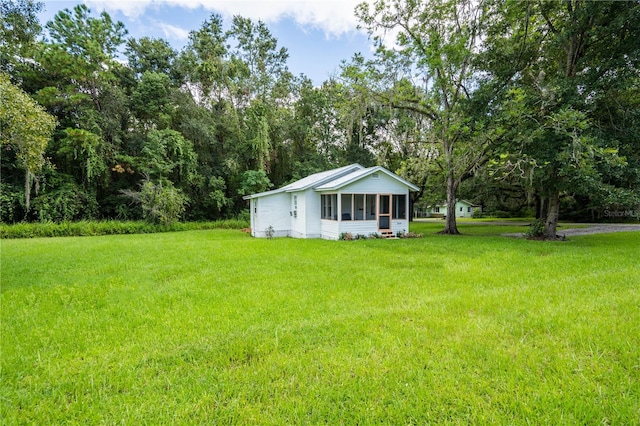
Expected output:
(463, 209)
(350, 199)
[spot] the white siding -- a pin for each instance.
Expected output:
(464, 213)
(465, 210)
(362, 227)
(329, 229)
(369, 185)
(271, 210)
(298, 214)
(312, 214)
(400, 225)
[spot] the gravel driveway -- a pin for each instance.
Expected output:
(589, 229)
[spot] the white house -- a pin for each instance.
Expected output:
(463, 209)
(351, 199)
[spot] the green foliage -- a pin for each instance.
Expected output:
(151, 98)
(214, 326)
(217, 193)
(254, 181)
(167, 154)
(19, 28)
(439, 50)
(11, 203)
(84, 228)
(24, 125)
(64, 203)
(26, 128)
(86, 149)
(147, 55)
(89, 42)
(536, 229)
(564, 66)
(161, 203)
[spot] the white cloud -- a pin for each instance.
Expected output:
(334, 17)
(172, 32)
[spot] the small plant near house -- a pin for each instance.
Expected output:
(269, 232)
(346, 236)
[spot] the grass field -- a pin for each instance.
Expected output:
(206, 327)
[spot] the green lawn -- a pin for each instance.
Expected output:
(205, 327)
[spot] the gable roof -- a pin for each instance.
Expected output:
(459, 200)
(359, 174)
(310, 181)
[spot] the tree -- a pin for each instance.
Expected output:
(154, 56)
(204, 61)
(161, 202)
(430, 73)
(566, 64)
(19, 28)
(167, 155)
(26, 128)
(151, 99)
(258, 50)
(83, 50)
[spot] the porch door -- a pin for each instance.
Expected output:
(384, 212)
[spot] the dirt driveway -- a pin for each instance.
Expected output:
(588, 229)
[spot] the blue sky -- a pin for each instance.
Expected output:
(317, 34)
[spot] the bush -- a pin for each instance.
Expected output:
(536, 229)
(346, 236)
(11, 203)
(162, 203)
(67, 203)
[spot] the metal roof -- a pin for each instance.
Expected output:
(359, 174)
(310, 181)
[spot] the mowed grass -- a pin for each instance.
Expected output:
(206, 327)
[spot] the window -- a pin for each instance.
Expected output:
(399, 208)
(437, 210)
(329, 206)
(375, 176)
(346, 200)
(370, 205)
(468, 209)
(460, 208)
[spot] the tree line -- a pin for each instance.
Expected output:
(522, 107)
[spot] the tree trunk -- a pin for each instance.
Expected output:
(451, 227)
(551, 223)
(27, 192)
(542, 209)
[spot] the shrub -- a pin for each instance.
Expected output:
(162, 203)
(346, 236)
(269, 232)
(66, 203)
(536, 229)
(11, 203)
